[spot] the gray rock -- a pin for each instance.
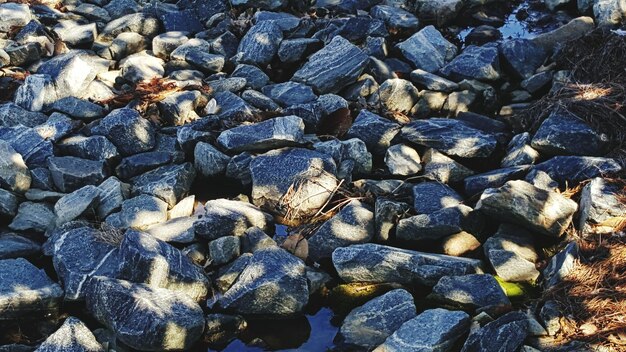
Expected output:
(37, 92)
(57, 127)
(574, 29)
(433, 226)
(255, 239)
(519, 152)
(222, 328)
(196, 52)
(442, 12)
(26, 291)
(294, 50)
(141, 23)
(76, 204)
(274, 282)
(14, 174)
(402, 160)
(164, 44)
(565, 133)
(22, 55)
(329, 70)
(375, 131)
(538, 82)
(255, 77)
(128, 131)
(523, 56)
(452, 137)
(470, 291)
(92, 148)
(355, 150)
(70, 173)
(147, 260)
(72, 72)
(541, 179)
(574, 169)
(209, 161)
(204, 10)
(289, 93)
(15, 246)
(233, 84)
(112, 194)
(545, 212)
(274, 173)
(223, 217)
(38, 195)
(427, 49)
(8, 204)
(493, 179)
(561, 265)
(353, 224)
(232, 107)
(119, 8)
(170, 182)
(369, 325)
(114, 303)
(506, 333)
(224, 249)
(12, 114)
(440, 167)
(225, 45)
(73, 335)
(395, 17)
(551, 315)
(512, 255)
(378, 264)
(398, 95)
(13, 15)
(179, 230)
(263, 4)
(137, 164)
(429, 197)
(259, 100)
(481, 63)
(286, 21)
(141, 67)
(599, 201)
(432, 82)
(239, 168)
(75, 34)
(609, 13)
(143, 211)
(31, 216)
(553, 4)
(435, 330)
(260, 43)
(228, 274)
(386, 215)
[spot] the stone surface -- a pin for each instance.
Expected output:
(377, 263)
(565, 133)
(561, 265)
(14, 174)
(143, 211)
(398, 95)
(427, 49)
(223, 217)
(475, 62)
(15, 246)
(440, 167)
(73, 205)
(260, 43)
(179, 230)
(512, 254)
(170, 182)
(128, 131)
(270, 134)
(209, 161)
(13, 15)
(429, 197)
(386, 215)
(506, 333)
(73, 335)
(609, 13)
(370, 324)
(32, 216)
(12, 114)
(70, 173)
(519, 151)
(432, 82)
(289, 93)
(34, 149)
(433, 226)
(432, 330)
(522, 56)
(375, 131)
(395, 17)
(112, 194)
(8, 203)
(574, 29)
(470, 291)
(545, 212)
(402, 160)
(476, 184)
(451, 137)
(224, 249)
(599, 201)
(92, 148)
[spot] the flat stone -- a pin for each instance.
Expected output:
(481, 63)
(395, 17)
(432, 82)
(429, 197)
(353, 224)
(13, 15)
(402, 160)
(170, 183)
(37, 92)
(32, 216)
(138, 164)
(128, 131)
(370, 324)
(15, 246)
(26, 291)
(512, 255)
(378, 264)
(77, 203)
(255, 77)
(460, 244)
(432, 330)
(143, 211)
(263, 4)
(178, 230)
(209, 161)
(574, 169)
(115, 303)
(574, 29)
(223, 217)
(427, 50)
(70, 173)
(164, 44)
(71, 72)
(34, 149)
(228, 274)
(270, 134)
(506, 333)
(493, 179)
(565, 133)
(260, 43)
(14, 174)
(452, 137)
(470, 291)
(92, 148)
(440, 167)
(196, 52)
(12, 114)
(332, 68)
(433, 226)
(57, 127)
(232, 107)
(545, 212)
(141, 67)
(289, 93)
(274, 282)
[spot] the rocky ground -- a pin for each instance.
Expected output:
(149, 151)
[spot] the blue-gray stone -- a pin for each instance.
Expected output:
(255, 77)
(429, 197)
(223, 217)
(433, 226)
(92, 148)
(14, 174)
(128, 131)
(294, 50)
(427, 49)
(493, 179)
(38, 217)
(34, 149)
(289, 93)
(170, 182)
(506, 333)
(15, 246)
(137, 164)
(12, 114)
(73, 335)
(561, 265)
(522, 56)
(475, 62)
(70, 173)
(395, 17)
(470, 291)
(565, 133)
(574, 169)
(260, 43)
(270, 134)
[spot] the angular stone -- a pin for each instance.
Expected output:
(260, 43)
(375, 131)
(143, 317)
(289, 93)
(355, 151)
(70, 173)
(294, 50)
(12, 114)
(609, 13)
(170, 182)
(255, 77)
(143, 211)
(137, 164)
(442, 168)
(353, 224)
(519, 202)
(519, 151)
(506, 333)
(395, 17)
(34, 149)
(274, 282)
(441, 12)
(239, 168)
(427, 49)
(224, 249)
(263, 4)
(452, 137)
(196, 52)
(376, 263)
(574, 169)
(433, 226)
(128, 131)
(512, 255)
(8, 204)
(223, 217)
(402, 160)
(398, 95)
(15, 246)
(493, 179)
(141, 23)
(147, 260)
(429, 197)
(370, 324)
(329, 70)
(470, 291)
(13, 15)
(255, 239)
(386, 215)
(37, 92)
(270, 134)
(227, 275)
(76, 35)
(77, 203)
(209, 161)
(565, 133)
(433, 330)
(179, 230)
(523, 56)
(31, 216)
(92, 148)
(26, 291)
(112, 193)
(432, 82)
(71, 72)
(600, 201)
(481, 63)
(459, 244)
(141, 67)
(73, 335)
(561, 265)
(14, 174)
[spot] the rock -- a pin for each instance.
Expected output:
(433, 226)
(519, 202)
(273, 174)
(57, 127)
(574, 29)
(73, 335)
(31, 216)
(143, 211)
(294, 50)
(222, 328)
(179, 108)
(92, 148)
(395, 17)
(209, 161)
(196, 52)
(565, 133)
(204, 10)
(377, 263)
(289, 93)
(432, 330)
(512, 255)
(599, 201)
(225, 45)
(239, 168)
(355, 151)
(429, 197)
(441, 168)
(137, 164)
(386, 215)
(8, 204)
(475, 62)
(441, 12)
(15, 246)
(179, 230)
(260, 43)
(170, 182)
(375, 131)
(609, 13)
(459, 244)
(553, 4)
(119, 8)
(37, 92)
(561, 265)
(274, 282)
(473, 291)
(112, 194)
(164, 44)
(141, 67)
(523, 56)
(224, 249)
(506, 333)
(259, 100)
(353, 224)
(228, 274)
(72, 72)
(12, 114)
(77, 203)
(255, 239)
(147, 260)
(329, 70)
(432, 82)
(402, 160)
(574, 169)
(140, 23)
(398, 95)
(370, 324)
(427, 50)
(223, 217)
(519, 152)
(493, 179)
(232, 107)
(13, 15)
(76, 35)
(255, 77)
(450, 136)
(14, 174)
(262, 4)
(542, 180)
(70, 173)
(128, 131)
(115, 303)
(26, 291)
